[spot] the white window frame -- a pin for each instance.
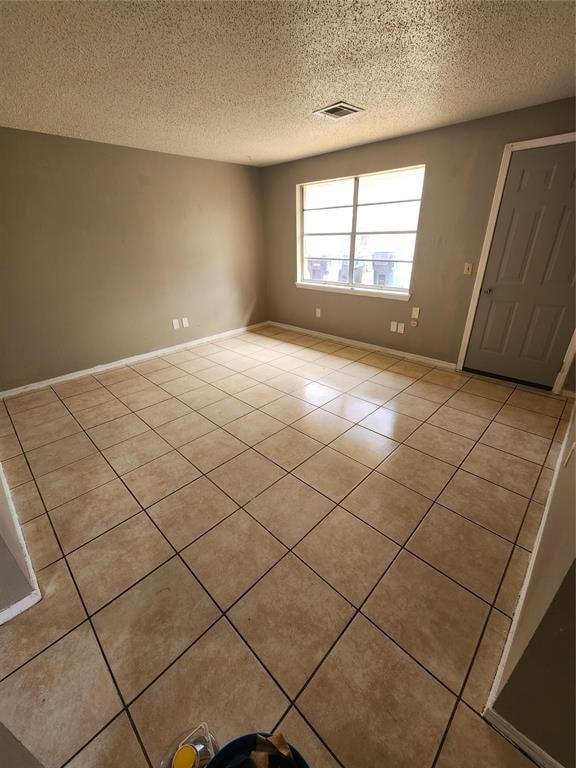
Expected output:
(382, 293)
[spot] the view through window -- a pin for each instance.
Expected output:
(360, 232)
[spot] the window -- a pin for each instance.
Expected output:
(359, 233)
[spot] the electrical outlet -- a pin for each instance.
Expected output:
(414, 323)
(400, 327)
(415, 313)
(185, 323)
(468, 268)
(176, 324)
(318, 312)
(393, 326)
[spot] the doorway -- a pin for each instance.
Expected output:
(521, 316)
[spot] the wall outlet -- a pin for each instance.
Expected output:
(318, 312)
(176, 324)
(393, 326)
(415, 313)
(414, 323)
(400, 327)
(468, 267)
(185, 323)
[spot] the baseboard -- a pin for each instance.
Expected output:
(21, 606)
(127, 360)
(569, 394)
(365, 345)
(542, 758)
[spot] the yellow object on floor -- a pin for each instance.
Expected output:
(185, 757)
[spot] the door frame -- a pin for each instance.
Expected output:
(515, 146)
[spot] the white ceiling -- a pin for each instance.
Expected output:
(239, 80)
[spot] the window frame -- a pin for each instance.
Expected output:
(400, 294)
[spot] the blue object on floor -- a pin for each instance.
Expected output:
(243, 745)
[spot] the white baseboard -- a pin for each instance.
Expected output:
(542, 758)
(127, 361)
(366, 345)
(20, 606)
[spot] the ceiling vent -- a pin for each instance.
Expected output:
(339, 110)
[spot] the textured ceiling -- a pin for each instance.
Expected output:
(239, 80)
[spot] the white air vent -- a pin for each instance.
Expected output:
(338, 110)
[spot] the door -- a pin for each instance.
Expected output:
(525, 314)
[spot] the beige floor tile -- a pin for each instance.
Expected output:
(116, 745)
(59, 611)
(200, 398)
(418, 471)
(27, 501)
(380, 360)
(48, 432)
(351, 353)
(289, 509)
(167, 410)
(113, 432)
(409, 405)
(486, 661)
(93, 513)
(323, 426)
(275, 377)
(115, 375)
(288, 448)
(407, 368)
(473, 743)
(212, 449)
(561, 430)
(254, 427)
(474, 404)
(465, 424)
(498, 392)
(213, 374)
(41, 543)
(364, 445)
(16, 471)
(73, 480)
(431, 392)
(234, 693)
(152, 364)
(166, 375)
(339, 380)
(196, 365)
(395, 381)
(483, 502)
(183, 356)
(187, 514)
(186, 428)
(509, 591)
(391, 424)
(259, 395)
(369, 687)
(160, 477)
(146, 628)
(516, 441)
(60, 453)
(183, 384)
(543, 486)
(462, 550)
(99, 414)
(449, 379)
(226, 410)
(331, 473)
(537, 423)
(315, 393)
(299, 735)
(135, 383)
(373, 392)
(441, 444)
(349, 554)
(530, 526)
(29, 400)
(232, 556)
(436, 621)
(9, 447)
(288, 409)
(553, 455)
(351, 408)
(541, 404)
(108, 565)
(388, 506)
(89, 399)
(509, 471)
(40, 415)
(61, 699)
(245, 476)
(235, 383)
(290, 618)
(144, 397)
(136, 451)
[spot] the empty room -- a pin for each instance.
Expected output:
(287, 373)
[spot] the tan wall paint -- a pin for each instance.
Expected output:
(462, 164)
(101, 246)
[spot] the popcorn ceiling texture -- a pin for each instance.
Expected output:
(238, 81)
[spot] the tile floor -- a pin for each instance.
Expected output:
(271, 530)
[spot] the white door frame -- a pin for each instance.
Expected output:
(546, 141)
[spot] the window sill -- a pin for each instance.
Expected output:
(350, 291)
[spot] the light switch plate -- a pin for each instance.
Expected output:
(400, 327)
(176, 324)
(318, 312)
(393, 325)
(468, 268)
(415, 313)
(185, 322)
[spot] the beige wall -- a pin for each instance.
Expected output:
(462, 164)
(101, 246)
